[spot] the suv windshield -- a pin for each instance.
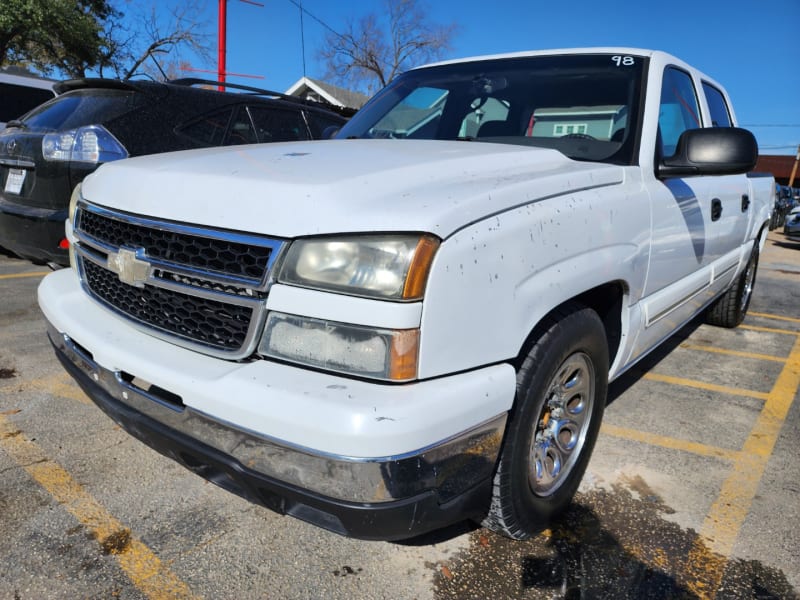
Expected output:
(585, 106)
(75, 109)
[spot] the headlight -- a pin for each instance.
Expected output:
(90, 144)
(382, 266)
(353, 349)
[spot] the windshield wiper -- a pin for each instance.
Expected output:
(16, 123)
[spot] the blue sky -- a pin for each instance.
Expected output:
(752, 47)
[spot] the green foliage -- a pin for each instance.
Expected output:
(56, 35)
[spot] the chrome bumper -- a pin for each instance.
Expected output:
(449, 468)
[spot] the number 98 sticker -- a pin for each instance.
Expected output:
(623, 61)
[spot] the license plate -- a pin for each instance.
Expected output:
(14, 181)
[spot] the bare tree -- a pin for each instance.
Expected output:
(373, 51)
(157, 41)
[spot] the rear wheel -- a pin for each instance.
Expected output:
(561, 395)
(730, 309)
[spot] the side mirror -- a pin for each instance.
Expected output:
(711, 151)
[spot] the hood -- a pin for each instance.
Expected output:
(341, 186)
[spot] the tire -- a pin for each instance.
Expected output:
(730, 309)
(545, 453)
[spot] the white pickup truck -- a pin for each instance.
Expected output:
(414, 323)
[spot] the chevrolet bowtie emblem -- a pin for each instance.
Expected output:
(129, 267)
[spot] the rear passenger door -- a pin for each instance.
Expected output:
(731, 229)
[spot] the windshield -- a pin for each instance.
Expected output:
(586, 106)
(75, 109)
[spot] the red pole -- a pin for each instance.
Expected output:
(221, 44)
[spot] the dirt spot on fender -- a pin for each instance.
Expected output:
(610, 544)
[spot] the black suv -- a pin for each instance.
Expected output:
(47, 151)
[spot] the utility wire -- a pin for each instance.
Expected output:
(315, 17)
(302, 37)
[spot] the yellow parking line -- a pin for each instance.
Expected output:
(768, 330)
(775, 317)
(707, 559)
(20, 275)
(715, 350)
(145, 570)
(701, 385)
(668, 442)
(61, 385)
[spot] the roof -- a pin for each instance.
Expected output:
(327, 93)
(780, 166)
(19, 76)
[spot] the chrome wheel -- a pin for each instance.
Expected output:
(560, 430)
(747, 285)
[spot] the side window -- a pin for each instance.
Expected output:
(242, 131)
(720, 115)
(678, 110)
(277, 124)
(209, 129)
(319, 123)
(486, 118)
(19, 99)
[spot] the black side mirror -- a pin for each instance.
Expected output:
(711, 151)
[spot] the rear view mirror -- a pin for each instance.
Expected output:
(711, 151)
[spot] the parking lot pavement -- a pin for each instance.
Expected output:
(691, 492)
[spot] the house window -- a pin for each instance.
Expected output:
(560, 129)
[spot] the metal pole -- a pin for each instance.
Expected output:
(794, 168)
(221, 44)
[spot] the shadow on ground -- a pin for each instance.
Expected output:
(629, 552)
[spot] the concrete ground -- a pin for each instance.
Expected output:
(691, 493)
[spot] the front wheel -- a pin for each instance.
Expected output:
(561, 395)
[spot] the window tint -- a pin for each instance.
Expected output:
(679, 109)
(242, 131)
(720, 117)
(319, 123)
(75, 109)
(19, 99)
(210, 128)
(278, 125)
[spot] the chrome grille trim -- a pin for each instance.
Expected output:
(185, 281)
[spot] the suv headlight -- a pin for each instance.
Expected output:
(391, 267)
(91, 144)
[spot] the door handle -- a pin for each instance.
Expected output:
(745, 202)
(716, 209)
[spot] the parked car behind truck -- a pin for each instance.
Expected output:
(415, 323)
(48, 151)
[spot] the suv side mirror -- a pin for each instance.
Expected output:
(711, 151)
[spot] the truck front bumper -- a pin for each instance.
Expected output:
(392, 495)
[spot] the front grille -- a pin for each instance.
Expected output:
(217, 255)
(205, 288)
(216, 324)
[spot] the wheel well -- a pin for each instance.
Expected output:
(606, 300)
